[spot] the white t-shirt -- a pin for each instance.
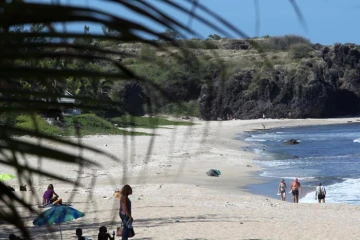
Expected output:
(322, 189)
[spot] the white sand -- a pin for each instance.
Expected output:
(174, 198)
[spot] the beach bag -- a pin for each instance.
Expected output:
(119, 231)
(131, 232)
(321, 193)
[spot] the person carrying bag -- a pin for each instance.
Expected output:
(126, 230)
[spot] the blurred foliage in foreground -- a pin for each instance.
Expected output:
(46, 70)
(88, 124)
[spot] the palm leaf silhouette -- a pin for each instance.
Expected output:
(22, 51)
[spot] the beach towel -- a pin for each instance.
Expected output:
(49, 205)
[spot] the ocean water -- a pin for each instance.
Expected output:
(327, 154)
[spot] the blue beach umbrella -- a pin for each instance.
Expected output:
(57, 214)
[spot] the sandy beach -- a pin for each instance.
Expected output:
(174, 198)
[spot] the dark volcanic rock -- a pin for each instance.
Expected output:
(327, 87)
(291, 142)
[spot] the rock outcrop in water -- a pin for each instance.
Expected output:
(291, 142)
(325, 84)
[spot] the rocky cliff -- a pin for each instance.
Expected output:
(325, 83)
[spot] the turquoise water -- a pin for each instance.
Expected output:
(328, 154)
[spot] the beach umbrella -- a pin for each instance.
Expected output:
(57, 214)
(6, 176)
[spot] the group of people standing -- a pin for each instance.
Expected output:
(295, 190)
(51, 198)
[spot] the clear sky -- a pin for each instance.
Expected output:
(327, 21)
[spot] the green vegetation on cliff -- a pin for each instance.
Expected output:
(90, 124)
(85, 124)
(206, 78)
(36, 123)
(146, 122)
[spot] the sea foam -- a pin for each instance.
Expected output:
(250, 139)
(347, 191)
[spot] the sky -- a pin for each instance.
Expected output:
(326, 21)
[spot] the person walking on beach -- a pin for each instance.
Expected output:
(282, 190)
(320, 193)
(125, 211)
(295, 190)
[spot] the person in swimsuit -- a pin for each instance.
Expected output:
(295, 190)
(125, 210)
(282, 190)
(49, 198)
(320, 193)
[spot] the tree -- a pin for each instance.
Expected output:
(110, 32)
(213, 37)
(17, 28)
(37, 28)
(169, 34)
(86, 30)
(85, 39)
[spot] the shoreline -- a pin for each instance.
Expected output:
(268, 186)
(173, 192)
(269, 189)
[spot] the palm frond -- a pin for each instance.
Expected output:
(31, 83)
